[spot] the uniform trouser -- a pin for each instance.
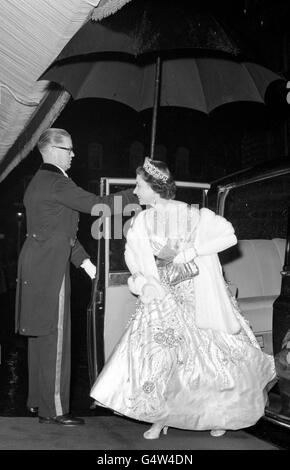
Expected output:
(49, 365)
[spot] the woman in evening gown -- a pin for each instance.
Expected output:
(188, 358)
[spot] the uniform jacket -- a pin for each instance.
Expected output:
(52, 204)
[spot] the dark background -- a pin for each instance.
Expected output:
(111, 140)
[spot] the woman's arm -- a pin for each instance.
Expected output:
(213, 234)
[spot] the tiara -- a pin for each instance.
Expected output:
(153, 171)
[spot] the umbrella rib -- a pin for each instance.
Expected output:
(200, 81)
(253, 81)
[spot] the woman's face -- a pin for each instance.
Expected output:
(144, 192)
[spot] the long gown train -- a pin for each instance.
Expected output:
(166, 369)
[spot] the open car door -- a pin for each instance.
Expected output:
(257, 202)
(112, 304)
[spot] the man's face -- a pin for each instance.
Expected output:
(64, 153)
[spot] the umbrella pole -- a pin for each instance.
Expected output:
(155, 106)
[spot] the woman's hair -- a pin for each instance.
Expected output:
(161, 180)
(52, 136)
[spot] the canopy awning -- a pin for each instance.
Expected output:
(33, 32)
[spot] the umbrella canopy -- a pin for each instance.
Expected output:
(146, 26)
(202, 84)
(113, 59)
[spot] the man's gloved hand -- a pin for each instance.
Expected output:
(89, 267)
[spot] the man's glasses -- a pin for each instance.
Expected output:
(70, 149)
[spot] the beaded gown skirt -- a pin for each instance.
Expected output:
(166, 369)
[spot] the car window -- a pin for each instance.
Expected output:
(259, 210)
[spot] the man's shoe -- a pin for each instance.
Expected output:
(65, 420)
(33, 409)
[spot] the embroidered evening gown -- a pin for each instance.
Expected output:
(167, 369)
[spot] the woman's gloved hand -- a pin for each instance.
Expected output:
(136, 283)
(152, 290)
(149, 293)
(185, 256)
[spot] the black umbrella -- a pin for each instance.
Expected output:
(119, 58)
(202, 84)
(153, 26)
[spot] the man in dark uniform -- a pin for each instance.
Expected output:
(52, 202)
